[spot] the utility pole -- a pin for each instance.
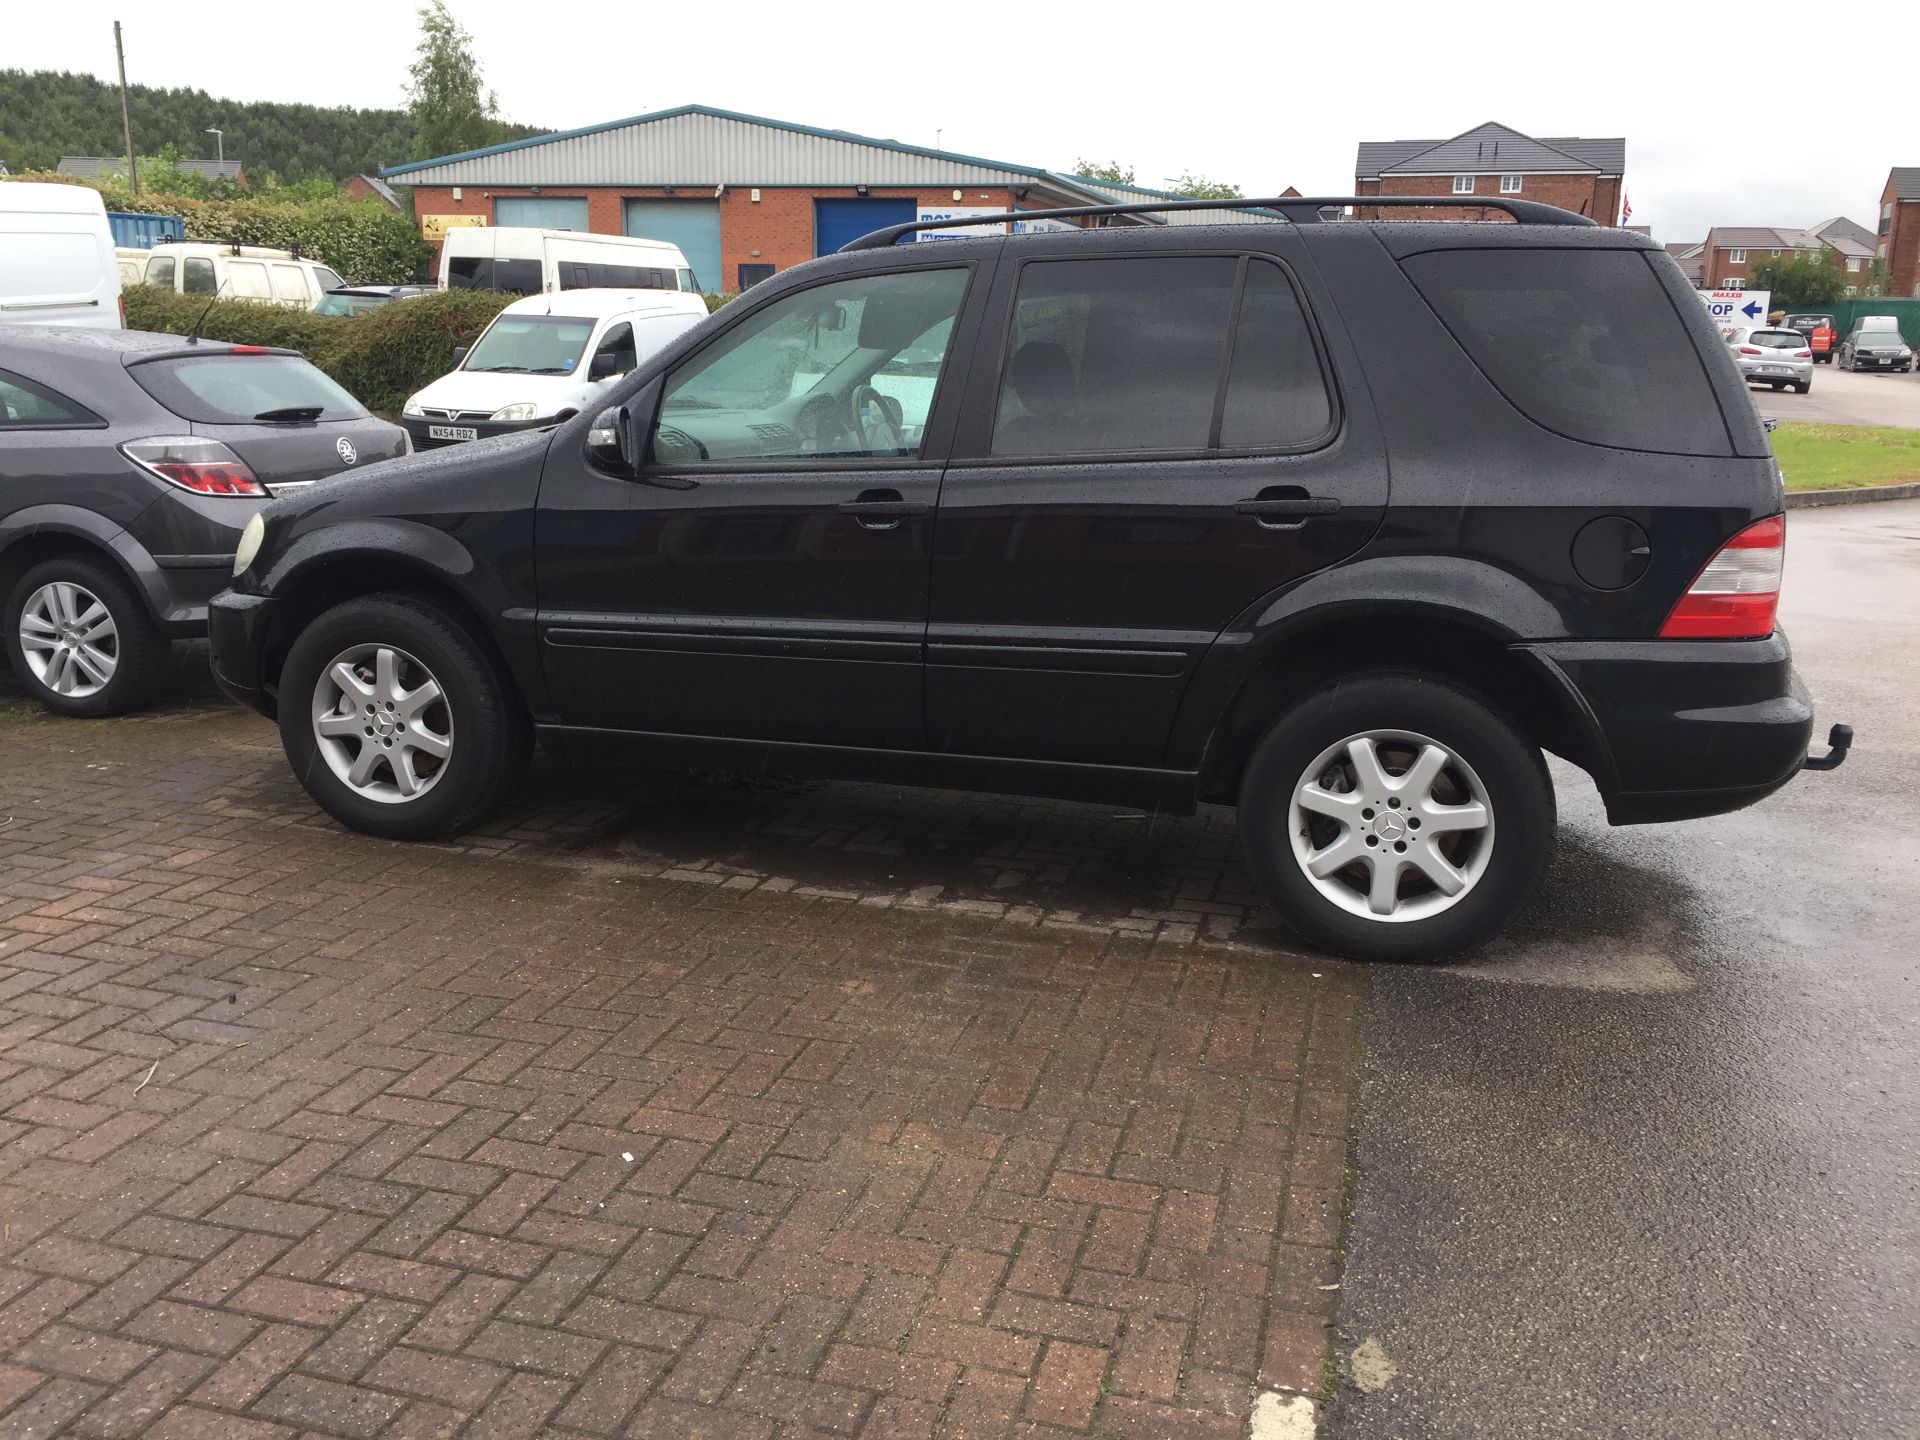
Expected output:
(126, 122)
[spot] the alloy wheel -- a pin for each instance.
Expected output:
(382, 723)
(69, 639)
(1391, 826)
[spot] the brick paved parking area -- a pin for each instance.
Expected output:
(689, 1107)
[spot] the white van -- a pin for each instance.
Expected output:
(239, 272)
(525, 261)
(546, 358)
(57, 265)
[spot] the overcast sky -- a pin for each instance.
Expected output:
(1265, 95)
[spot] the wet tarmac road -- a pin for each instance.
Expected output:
(1653, 1168)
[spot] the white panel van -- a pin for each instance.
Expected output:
(522, 261)
(57, 265)
(240, 272)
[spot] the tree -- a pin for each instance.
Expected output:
(1111, 171)
(1875, 277)
(1801, 277)
(1201, 188)
(450, 109)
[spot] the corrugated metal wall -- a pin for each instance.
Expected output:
(706, 150)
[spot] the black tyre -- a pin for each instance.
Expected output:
(81, 640)
(1803, 387)
(398, 721)
(1406, 777)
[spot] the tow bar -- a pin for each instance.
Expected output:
(1839, 739)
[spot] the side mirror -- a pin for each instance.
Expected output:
(604, 366)
(459, 354)
(608, 442)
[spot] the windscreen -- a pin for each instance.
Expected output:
(225, 389)
(349, 304)
(532, 345)
(1585, 343)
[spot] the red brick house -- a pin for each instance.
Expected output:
(1898, 239)
(1581, 175)
(1732, 251)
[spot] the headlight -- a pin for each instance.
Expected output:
(522, 411)
(251, 539)
(412, 408)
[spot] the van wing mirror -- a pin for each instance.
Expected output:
(460, 354)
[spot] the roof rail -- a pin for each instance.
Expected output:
(1300, 209)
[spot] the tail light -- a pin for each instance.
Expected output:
(123, 312)
(1803, 354)
(1750, 350)
(206, 467)
(1735, 596)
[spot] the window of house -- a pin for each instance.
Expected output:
(1585, 343)
(1853, 289)
(1736, 257)
(752, 275)
(1509, 184)
(1732, 283)
(1853, 264)
(1124, 356)
(1463, 184)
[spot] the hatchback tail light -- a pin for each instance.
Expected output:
(1751, 350)
(206, 467)
(1736, 595)
(1803, 354)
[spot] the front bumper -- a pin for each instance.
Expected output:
(237, 626)
(423, 440)
(1684, 728)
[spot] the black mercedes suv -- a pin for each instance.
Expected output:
(1341, 523)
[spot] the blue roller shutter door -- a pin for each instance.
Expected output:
(538, 213)
(693, 225)
(835, 222)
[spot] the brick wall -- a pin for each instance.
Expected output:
(776, 230)
(1582, 194)
(1903, 243)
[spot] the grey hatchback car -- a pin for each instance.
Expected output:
(130, 463)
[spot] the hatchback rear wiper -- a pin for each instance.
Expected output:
(292, 412)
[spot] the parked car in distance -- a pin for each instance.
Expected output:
(1876, 347)
(130, 465)
(240, 272)
(547, 358)
(1342, 524)
(1777, 358)
(526, 261)
(1822, 334)
(359, 299)
(57, 263)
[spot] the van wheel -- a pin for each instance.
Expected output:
(397, 721)
(81, 641)
(1395, 817)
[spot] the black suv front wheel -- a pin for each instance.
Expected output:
(397, 721)
(1395, 817)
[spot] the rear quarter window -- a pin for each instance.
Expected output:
(1585, 343)
(225, 389)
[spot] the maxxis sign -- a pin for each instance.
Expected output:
(1737, 307)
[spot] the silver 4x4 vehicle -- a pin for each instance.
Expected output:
(1345, 524)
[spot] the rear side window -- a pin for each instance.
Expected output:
(247, 280)
(289, 283)
(27, 406)
(1583, 342)
(199, 276)
(1129, 355)
(227, 389)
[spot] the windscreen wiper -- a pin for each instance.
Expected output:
(292, 413)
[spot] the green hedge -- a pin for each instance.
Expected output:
(381, 357)
(362, 239)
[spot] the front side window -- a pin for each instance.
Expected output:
(160, 271)
(198, 273)
(327, 278)
(1509, 184)
(840, 371)
(531, 345)
(1585, 343)
(1135, 355)
(1463, 184)
(615, 353)
(27, 406)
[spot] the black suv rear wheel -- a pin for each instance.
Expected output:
(397, 720)
(1395, 817)
(80, 638)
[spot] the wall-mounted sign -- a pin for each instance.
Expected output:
(435, 227)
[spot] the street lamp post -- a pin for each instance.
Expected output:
(219, 141)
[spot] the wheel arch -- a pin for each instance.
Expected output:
(47, 532)
(1466, 648)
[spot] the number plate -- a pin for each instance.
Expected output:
(1774, 370)
(452, 432)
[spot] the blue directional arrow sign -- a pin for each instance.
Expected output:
(1751, 310)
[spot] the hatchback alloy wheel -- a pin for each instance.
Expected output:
(69, 640)
(382, 724)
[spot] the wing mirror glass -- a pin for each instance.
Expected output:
(460, 354)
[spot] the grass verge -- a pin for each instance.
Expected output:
(1841, 457)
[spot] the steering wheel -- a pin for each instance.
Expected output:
(823, 427)
(875, 420)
